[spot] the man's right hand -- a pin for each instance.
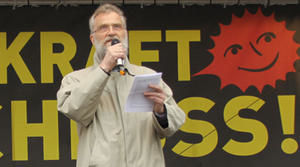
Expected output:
(112, 54)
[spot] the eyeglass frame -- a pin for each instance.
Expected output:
(106, 27)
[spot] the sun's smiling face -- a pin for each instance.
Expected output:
(253, 50)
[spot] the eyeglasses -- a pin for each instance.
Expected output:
(106, 27)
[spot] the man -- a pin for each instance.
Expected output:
(95, 98)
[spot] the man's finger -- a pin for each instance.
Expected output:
(156, 88)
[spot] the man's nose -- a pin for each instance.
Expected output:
(111, 30)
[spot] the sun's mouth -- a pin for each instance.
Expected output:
(261, 69)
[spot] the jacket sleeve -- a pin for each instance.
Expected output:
(78, 94)
(175, 116)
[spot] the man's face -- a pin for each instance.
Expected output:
(106, 27)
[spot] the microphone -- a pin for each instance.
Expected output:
(120, 62)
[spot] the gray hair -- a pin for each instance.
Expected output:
(106, 8)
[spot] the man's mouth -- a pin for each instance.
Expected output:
(108, 40)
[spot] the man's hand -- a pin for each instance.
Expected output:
(158, 97)
(112, 54)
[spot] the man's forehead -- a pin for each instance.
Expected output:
(108, 17)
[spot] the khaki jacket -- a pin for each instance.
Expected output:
(108, 136)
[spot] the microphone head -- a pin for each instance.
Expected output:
(115, 41)
(120, 62)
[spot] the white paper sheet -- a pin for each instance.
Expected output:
(136, 101)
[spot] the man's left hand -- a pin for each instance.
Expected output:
(158, 97)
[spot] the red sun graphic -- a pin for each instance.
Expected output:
(253, 50)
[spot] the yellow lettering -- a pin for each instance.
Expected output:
(74, 139)
(137, 56)
(21, 130)
(234, 121)
(90, 60)
(11, 55)
(183, 37)
(204, 128)
(48, 58)
(163, 142)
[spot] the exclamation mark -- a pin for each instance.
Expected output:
(287, 113)
(1, 154)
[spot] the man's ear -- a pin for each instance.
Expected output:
(92, 38)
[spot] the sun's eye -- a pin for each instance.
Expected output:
(234, 49)
(267, 37)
